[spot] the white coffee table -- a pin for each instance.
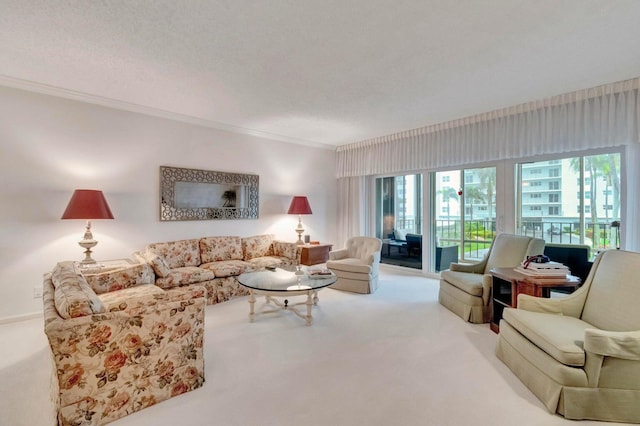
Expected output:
(279, 282)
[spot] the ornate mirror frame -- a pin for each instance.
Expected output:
(192, 194)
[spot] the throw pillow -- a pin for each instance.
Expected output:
(158, 264)
(400, 234)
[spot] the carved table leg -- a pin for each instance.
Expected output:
(252, 302)
(309, 305)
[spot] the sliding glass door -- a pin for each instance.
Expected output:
(399, 219)
(465, 210)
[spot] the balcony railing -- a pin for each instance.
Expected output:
(478, 234)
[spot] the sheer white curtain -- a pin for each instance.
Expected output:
(631, 220)
(354, 207)
(601, 117)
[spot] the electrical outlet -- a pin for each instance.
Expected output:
(37, 292)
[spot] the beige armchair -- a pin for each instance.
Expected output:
(356, 265)
(465, 289)
(580, 354)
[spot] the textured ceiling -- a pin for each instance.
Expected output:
(321, 72)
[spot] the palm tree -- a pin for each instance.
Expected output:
(229, 197)
(448, 194)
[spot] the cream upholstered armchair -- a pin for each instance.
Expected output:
(580, 354)
(465, 289)
(356, 265)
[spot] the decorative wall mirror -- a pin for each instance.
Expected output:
(191, 194)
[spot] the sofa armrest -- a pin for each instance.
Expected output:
(570, 305)
(338, 254)
(617, 344)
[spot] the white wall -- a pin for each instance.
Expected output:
(50, 146)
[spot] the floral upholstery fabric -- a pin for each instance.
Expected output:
(227, 268)
(177, 254)
(227, 288)
(158, 264)
(287, 250)
(73, 297)
(184, 276)
(222, 259)
(148, 348)
(263, 262)
(258, 246)
(215, 249)
(121, 300)
(103, 282)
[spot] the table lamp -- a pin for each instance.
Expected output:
(87, 204)
(299, 205)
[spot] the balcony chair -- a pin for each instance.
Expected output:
(414, 244)
(580, 354)
(356, 265)
(465, 289)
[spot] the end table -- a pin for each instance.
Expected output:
(312, 254)
(508, 283)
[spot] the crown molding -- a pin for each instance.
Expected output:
(60, 92)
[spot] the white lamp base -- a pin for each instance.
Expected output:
(87, 243)
(300, 231)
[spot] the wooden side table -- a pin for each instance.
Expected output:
(312, 254)
(507, 284)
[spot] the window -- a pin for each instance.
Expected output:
(584, 219)
(446, 178)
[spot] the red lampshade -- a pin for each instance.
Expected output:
(87, 204)
(299, 205)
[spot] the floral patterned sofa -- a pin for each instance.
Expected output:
(215, 262)
(118, 342)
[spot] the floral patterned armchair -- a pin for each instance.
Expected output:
(117, 352)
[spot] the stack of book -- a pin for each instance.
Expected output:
(545, 271)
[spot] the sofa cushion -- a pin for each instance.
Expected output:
(560, 336)
(400, 234)
(349, 265)
(214, 249)
(158, 264)
(263, 262)
(73, 297)
(227, 268)
(177, 253)
(130, 276)
(184, 276)
(469, 283)
(120, 300)
(257, 246)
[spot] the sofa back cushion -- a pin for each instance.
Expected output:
(177, 254)
(73, 297)
(257, 246)
(612, 302)
(216, 249)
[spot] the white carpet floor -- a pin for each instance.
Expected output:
(395, 357)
